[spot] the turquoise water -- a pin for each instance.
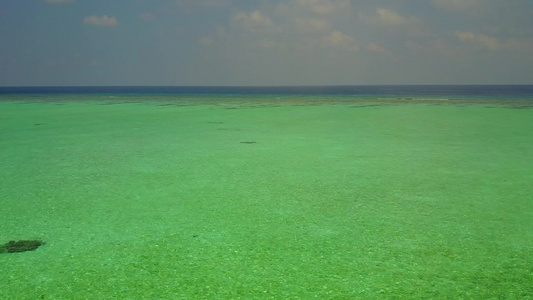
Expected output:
(202, 197)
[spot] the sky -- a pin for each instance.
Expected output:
(261, 43)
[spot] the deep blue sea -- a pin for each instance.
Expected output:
(445, 91)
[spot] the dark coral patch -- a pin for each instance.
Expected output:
(20, 246)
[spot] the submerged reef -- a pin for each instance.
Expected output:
(20, 246)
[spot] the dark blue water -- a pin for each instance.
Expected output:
(514, 91)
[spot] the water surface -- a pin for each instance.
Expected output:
(266, 196)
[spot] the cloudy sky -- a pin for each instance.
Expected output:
(275, 42)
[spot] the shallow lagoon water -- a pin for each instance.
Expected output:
(266, 197)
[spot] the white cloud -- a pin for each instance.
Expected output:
(458, 4)
(487, 41)
(433, 47)
(465, 35)
(338, 39)
(59, 1)
(376, 48)
(297, 24)
(147, 17)
(390, 19)
(101, 21)
(192, 5)
(266, 43)
(206, 41)
(387, 17)
(492, 43)
(253, 21)
(323, 6)
(311, 25)
(308, 17)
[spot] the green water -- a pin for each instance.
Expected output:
(207, 200)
